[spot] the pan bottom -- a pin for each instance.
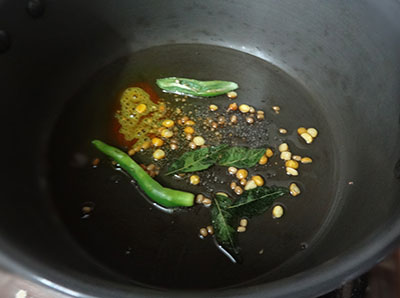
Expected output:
(130, 236)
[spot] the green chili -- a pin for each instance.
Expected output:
(194, 87)
(164, 196)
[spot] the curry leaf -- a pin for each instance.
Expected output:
(225, 213)
(256, 201)
(240, 157)
(196, 160)
(222, 219)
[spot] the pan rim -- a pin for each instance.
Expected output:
(313, 282)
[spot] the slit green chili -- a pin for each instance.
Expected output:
(193, 87)
(164, 196)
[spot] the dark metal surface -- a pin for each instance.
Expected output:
(352, 289)
(345, 54)
(380, 282)
(4, 41)
(35, 8)
(170, 243)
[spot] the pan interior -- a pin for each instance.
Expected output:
(128, 235)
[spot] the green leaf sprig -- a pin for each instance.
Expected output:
(222, 155)
(196, 160)
(225, 212)
(256, 201)
(222, 221)
(240, 157)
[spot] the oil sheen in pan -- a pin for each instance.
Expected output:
(128, 235)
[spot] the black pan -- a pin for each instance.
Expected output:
(334, 66)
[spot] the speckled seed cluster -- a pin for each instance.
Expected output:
(268, 154)
(292, 161)
(294, 189)
(242, 225)
(242, 175)
(152, 169)
(201, 199)
(164, 135)
(204, 232)
(308, 135)
(277, 211)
